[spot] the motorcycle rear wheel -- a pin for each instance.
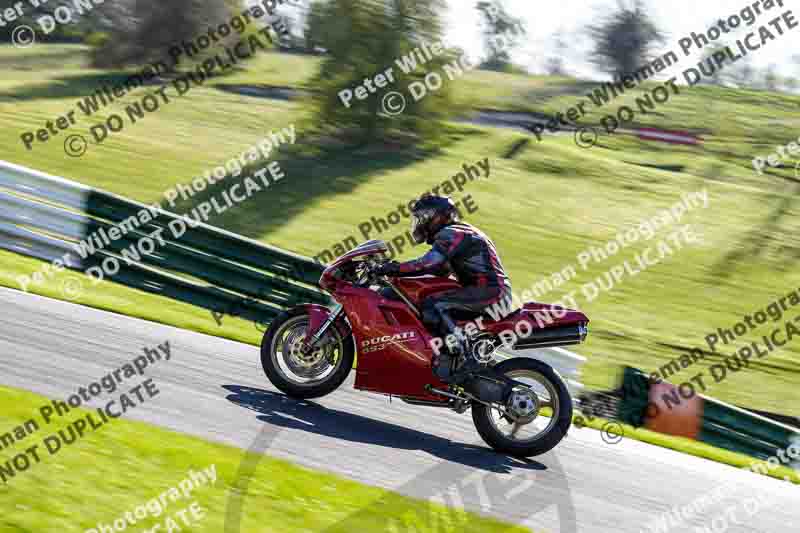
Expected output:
(551, 394)
(305, 376)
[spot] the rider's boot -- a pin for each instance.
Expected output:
(465, 363)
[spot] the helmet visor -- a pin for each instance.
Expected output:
(419, 225)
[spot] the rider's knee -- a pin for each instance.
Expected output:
(430, 316)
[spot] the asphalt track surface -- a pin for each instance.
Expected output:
(215, 389)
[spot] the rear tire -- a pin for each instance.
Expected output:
(557, 426)
(293, 323)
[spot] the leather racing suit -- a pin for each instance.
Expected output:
(467, 252)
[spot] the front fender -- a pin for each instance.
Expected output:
(318, 315)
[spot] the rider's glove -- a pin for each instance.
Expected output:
(392, 268)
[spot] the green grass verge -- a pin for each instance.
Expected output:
(692, 447)
(542, 208)
(125, 464)
(116, 298)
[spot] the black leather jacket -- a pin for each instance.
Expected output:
(464, 250)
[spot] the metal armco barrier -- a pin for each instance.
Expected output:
(738, 430)
(712, 421)
(45, 217)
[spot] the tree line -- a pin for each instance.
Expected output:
(357, 39)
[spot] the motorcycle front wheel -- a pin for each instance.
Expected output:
(536, 415)
(299, 375)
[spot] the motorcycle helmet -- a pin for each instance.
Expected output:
(429, 214)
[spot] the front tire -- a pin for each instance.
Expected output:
(551, 396)
(305, 376)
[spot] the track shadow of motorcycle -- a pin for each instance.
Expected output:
(522, 491)
(282, 411)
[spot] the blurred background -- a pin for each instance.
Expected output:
(513, 65)
(544, 202)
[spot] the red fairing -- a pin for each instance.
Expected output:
(394, 347)
(317, 314)
(417, 289)
(394, 354)
(331, 276)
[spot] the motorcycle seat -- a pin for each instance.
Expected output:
(462, 315)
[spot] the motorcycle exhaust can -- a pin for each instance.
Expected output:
(557, 336)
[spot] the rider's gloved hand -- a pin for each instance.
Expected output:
(392, 268)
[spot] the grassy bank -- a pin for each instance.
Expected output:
(542, 209)
(123, 465)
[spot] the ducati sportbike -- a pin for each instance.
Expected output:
(520, 406)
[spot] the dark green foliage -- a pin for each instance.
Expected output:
(72, 32)
(363, 39)
(143, 31)
(498, 24)
(322, 27)
(623, 39)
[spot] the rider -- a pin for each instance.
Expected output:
(467, 252)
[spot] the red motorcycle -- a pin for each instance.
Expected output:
(520, 406)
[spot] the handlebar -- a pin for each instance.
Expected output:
(370, 264)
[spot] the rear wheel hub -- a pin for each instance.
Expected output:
(523, 404)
